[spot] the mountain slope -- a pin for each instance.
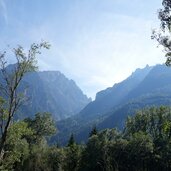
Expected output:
(158, 79)
(50, 91)
(118, 117)
(111, 97)
(145, 87)
(155, 89)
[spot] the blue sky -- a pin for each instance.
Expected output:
(95, 42)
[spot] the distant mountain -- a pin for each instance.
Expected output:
(117, 117)
(155, 89)
(158, 80)
(113, 96)
(150, 86)
(51, 91)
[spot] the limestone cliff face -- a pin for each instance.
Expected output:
(51, 91)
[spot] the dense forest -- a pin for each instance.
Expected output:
(144, 144)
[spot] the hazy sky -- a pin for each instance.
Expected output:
(94, 42)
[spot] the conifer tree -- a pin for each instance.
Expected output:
(94, 131)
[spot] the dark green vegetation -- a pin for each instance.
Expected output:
(144, 144)
(150, 86)
(163, 36)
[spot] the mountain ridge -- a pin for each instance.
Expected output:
(50, 91)
(145, 87)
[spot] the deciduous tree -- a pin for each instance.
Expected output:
(163, 36)
(10, 82)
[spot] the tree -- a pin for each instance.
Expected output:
(42, 126)
(92, 155)
(16, 147)
(94, 131)
(71, 141)
(163, 36)
(55, 157)
(140, 150)
(71, 155)
(96, 155)
(9, 86)
(149, 136)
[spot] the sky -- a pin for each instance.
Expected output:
(97, 43)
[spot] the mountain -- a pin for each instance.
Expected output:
(158, 80)
(117, 117)
(150, 86)
(51, 91)
(113, 96)
(155, 89)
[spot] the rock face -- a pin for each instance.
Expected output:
(150, 86)
(51, 91)
(113, 96)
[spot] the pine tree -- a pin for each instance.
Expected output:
(71, 141)
(94, 131)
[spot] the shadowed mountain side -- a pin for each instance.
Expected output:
(115, 118)
(113, 96)
(50, 91)
(126, 97)
(158, 80)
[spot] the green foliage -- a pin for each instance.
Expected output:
(140, 150)
(91, 157)
(94, 131)
(56, 158)
(10, 86)
(42, 125)
(71, 141)
(163, 36)
(26, 146)
(16, 147)
(96, 157)
(37, 160)
(153, 121)
(144, 144)
(71, 158)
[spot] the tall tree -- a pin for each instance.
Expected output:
(71, 141)
(11, 80)
(16, 147)
(94, 131)
(72, 155)
(163, 36)
(42, 125)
